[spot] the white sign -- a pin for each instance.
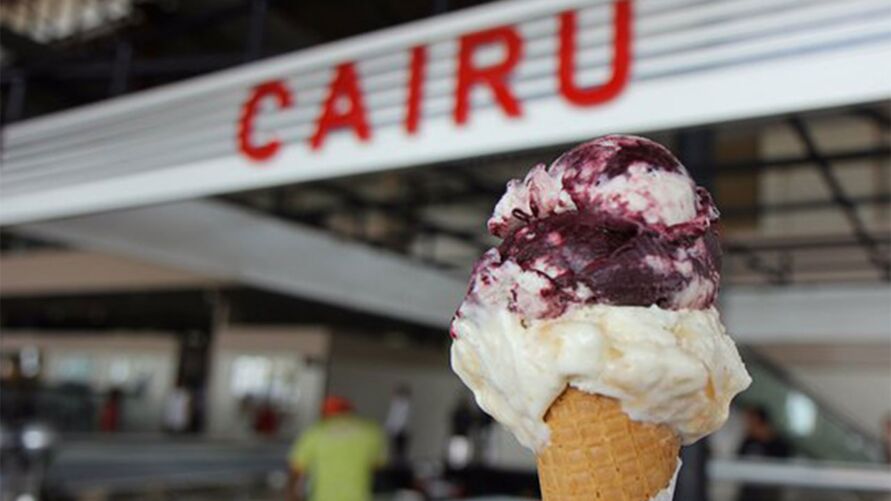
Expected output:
(502, 77)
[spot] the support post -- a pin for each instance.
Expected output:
(257, 30)
(120, 75)
(15, 101)
(696, 149)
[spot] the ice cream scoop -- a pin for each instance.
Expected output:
(604, 282)
(614, 221)
(628, 177)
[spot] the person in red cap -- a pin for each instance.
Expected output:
(337, 455)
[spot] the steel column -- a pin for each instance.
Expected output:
(696, 149)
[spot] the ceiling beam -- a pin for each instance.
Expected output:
(223, 242)
(824, 166)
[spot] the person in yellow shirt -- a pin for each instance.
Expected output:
(336, 456)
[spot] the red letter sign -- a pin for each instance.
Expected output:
(621, 58)
(415, 88)
(344, 89)
(259, 153)
(494, 76)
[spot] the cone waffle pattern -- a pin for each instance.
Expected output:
(597, 453)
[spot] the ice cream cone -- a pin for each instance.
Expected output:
(596, 452)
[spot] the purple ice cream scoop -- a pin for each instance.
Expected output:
(617, 221)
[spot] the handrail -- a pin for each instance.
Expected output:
(811, 475)
(176, 480)
(794, 474)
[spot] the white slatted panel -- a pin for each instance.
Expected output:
(695, 61)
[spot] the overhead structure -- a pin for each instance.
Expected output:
(226, 243)
(497, 78)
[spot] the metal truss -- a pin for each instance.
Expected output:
(161, 42)
(877, 253)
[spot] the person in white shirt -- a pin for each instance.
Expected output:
(177, 410)
(397, 422)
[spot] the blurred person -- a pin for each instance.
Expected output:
(462, 418)
(460, 447)
(484, 437)
(762, 441)
(692, 481)
(19, 393)
(110, 415)
(178, 410)
(266, 419)
(336, 457)
(396, 423)
(247, 409)
(887, 438)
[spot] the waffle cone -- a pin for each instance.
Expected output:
(596, 452)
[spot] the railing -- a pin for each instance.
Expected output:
(812, 475)
(133, 466)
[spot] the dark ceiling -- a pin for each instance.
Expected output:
(49, 68)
